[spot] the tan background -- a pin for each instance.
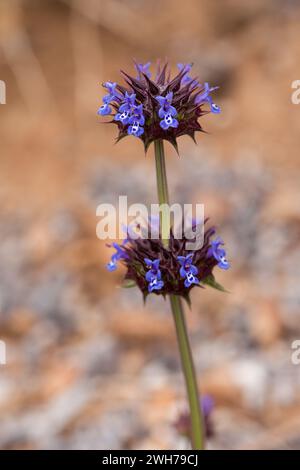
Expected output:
(87, 365)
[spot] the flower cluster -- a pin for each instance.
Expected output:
(158, 108)
(158, 269)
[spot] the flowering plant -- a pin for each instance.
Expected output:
(155, 110)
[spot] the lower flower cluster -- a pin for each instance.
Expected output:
(158, 269)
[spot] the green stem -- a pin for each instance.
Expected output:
(162, 190)
(189, 373)
(177, 309)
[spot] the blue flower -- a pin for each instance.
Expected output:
(218, 253)
(205, 97)
(154, 268)
(104, 110)
(167, 112)
(186, 79)
(112, 95)
(136, 121)
(119, 254)
(137, 115)
(155, 284)
(165, 105)
(135, 129)
(130, 113)
(143, 68)
(111, 88)
(153, 276)
(128, 104)
(123, 117)
(168, 121)
(107, 99)
(188, 270)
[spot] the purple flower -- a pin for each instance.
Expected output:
(165, 105)
(167, 112)
(119, 254)
(186, 78)
(154, 270)
(107, 99)
(128, 104)
(205, 97)
(112, 92)
(136, 121)
(153, 276)
(168, 121)
(218, 253)
(130, 113)
(137, 115)
(188, 270)
(135, 129)
(143, 68)
(104, 110)
(122, 117)
(111, 88)
(155, 284)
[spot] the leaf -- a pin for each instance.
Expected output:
(210, 281)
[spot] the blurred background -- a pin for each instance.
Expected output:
(88, 366)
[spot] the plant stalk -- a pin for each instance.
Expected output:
(197, 427)
(187, 362)
(162, 191)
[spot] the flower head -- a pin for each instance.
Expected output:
(162, 270)
(159, 108)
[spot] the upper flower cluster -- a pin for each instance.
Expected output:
(169, 270)
(158, 108)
